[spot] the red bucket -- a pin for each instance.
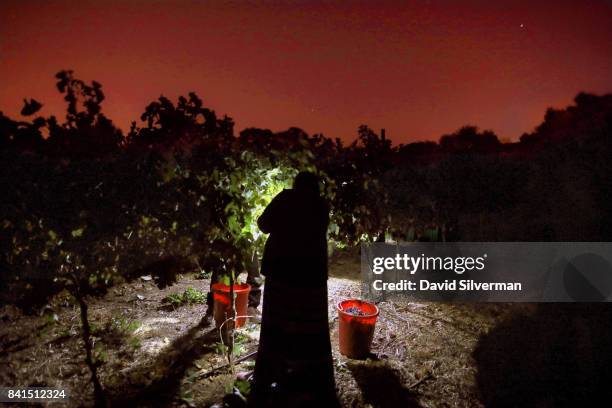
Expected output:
(357, 323)
(221, 304)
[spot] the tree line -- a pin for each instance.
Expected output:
(84, 206)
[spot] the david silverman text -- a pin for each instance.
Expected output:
(447, 285)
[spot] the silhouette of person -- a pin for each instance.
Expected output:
(294, 364)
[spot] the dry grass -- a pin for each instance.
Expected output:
(426, 347)
(421, 352)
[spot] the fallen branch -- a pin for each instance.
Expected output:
(221, 367)
(419, 382)
(436, 319)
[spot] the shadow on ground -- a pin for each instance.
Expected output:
(382, 386)
(157, 384)
(559, 356)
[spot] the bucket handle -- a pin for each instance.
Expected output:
(341, 308)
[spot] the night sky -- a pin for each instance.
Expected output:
(419, 68)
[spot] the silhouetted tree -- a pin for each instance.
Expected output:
(469, 140)
(86, 132)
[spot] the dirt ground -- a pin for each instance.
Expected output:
(153, 355)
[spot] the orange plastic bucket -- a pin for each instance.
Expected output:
(356, 328)
(221, 303)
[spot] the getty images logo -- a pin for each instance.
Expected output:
(412, 264)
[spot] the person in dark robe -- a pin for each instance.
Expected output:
(294, 364)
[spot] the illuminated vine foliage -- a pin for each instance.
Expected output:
(243, 186)
(252, 184)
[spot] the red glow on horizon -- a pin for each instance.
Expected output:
(419, 69)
